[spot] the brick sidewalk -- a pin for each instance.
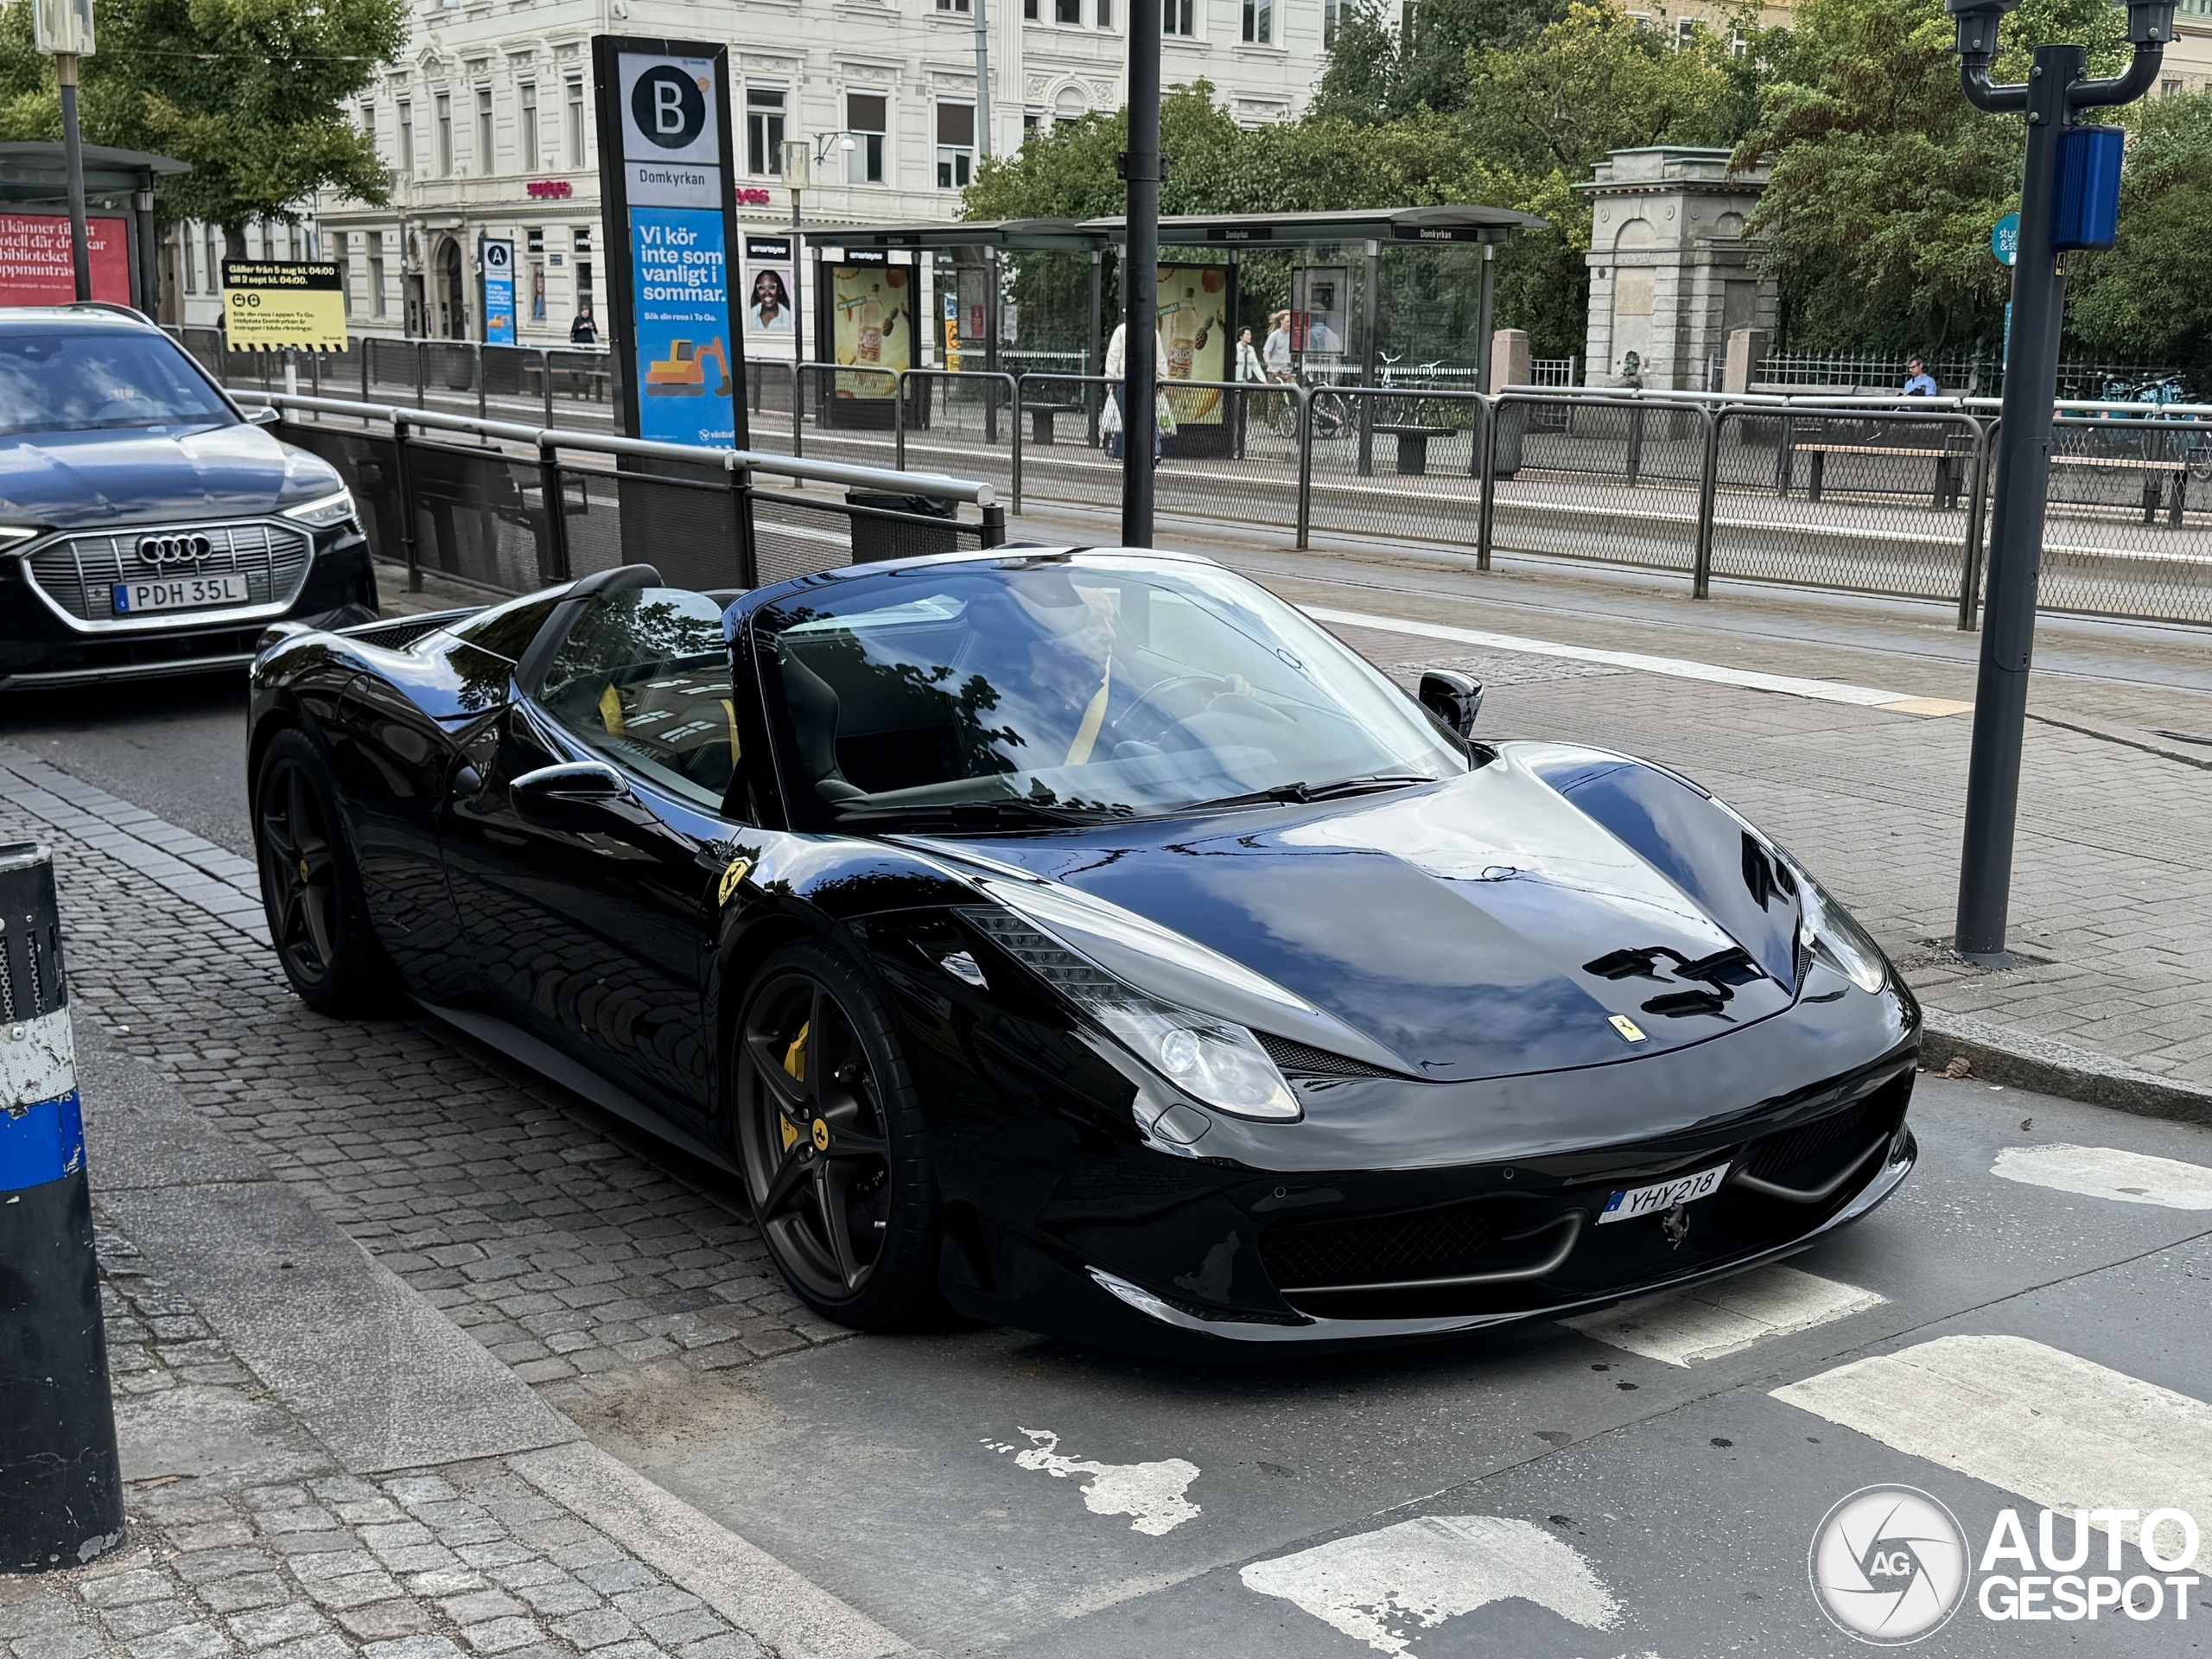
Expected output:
(296, 1560)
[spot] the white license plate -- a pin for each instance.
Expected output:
(179, 594)
(1664, 1195)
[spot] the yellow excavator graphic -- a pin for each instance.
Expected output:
(683, 374)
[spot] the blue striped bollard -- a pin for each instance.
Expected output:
(61, 1479)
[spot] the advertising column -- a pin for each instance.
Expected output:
(498, 292)
(665, 169)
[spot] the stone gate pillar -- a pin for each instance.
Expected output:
(1671, 275)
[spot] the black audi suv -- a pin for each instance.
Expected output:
(147, 524)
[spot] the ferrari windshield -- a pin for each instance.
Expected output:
(1077, 685)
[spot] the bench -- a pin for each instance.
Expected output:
(2153, 487)
(1945, 493)
(1040, 419)
(1413, 445)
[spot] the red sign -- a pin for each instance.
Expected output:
(752, 198)
(553, 187)
(36, 268)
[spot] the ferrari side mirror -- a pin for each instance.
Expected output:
(580, 795)
(1453, 698)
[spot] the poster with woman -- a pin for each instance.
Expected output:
(771, 302)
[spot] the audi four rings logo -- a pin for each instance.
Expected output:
(162, 550)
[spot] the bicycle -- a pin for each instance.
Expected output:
(1325, 409)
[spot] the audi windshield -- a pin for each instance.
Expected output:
(65, 380)
(1075, 687)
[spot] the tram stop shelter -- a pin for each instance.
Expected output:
(1363, 288)
(36, 266)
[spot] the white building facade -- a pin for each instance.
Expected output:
(488, 129)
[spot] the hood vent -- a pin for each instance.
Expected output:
(1301, 1060)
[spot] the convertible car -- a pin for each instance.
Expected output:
(1090, 941)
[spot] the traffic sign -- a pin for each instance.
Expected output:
(2005, 240)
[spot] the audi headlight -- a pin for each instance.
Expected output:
(324, 512)
(1829, 931)
(1213, 1061)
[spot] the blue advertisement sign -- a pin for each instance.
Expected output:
(498, 293)
(681, 321)
(2005, 240)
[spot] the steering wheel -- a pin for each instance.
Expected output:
(1144, 705)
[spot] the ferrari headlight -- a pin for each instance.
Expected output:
(1830, 932)
(1213, 1061)
(324, 512)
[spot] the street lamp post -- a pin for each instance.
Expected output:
(1141, 276)
(800, 159)
(2058, 150)
(62, 30)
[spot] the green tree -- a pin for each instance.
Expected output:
(2148, 299)
(1377, 72)
(1885, 182)
(251, 93)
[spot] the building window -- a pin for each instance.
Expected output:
(1067, 11)
(1330, 10)
(952, 5)
(535, 247)
(1105, 14)
(526, 97)
(375, 274)
(442, 107)
(483, 131)
(1685, 32)
(406, 138)
(866, 122)
(369, 123)
(956, 145)
(1260, 22)
(1179, 17)
(764, 129)
(1029, 11)
(575, 123)
(583, 268)
(345, 274)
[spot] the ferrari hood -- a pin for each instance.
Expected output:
(1559, 907)
(73, 480)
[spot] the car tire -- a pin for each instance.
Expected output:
(832, 1144)
(311, 885)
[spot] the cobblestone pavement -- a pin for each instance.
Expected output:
(425, 1564)
(518, 1209)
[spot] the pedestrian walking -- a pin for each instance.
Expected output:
(1918, 382)
(1249, 370)
(1276, 353)
(1115, 420)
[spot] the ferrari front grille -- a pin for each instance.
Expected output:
(1802, 1156)
(1424, 1244)
(79, 572)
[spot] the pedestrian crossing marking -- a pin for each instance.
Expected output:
(1381, 1587)
(2063, 1432)
(2108, 1172)
(1688, 1327)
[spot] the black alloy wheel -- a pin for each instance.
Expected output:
(310, 886)
(830, 1140)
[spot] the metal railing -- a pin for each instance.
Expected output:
(522, 507)
(1870, 493)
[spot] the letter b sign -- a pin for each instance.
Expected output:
(667, 107)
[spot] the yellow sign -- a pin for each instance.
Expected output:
(275, 306)
(870, 307)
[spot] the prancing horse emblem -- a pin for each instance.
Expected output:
(1675, 1224)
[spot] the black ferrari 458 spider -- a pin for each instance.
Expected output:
(1091, 941)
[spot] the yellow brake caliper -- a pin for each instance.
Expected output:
(795, 1067)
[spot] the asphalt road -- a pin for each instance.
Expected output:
(2023, 1324)
(1610, 1491)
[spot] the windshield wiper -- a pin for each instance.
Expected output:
(1304, 794)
